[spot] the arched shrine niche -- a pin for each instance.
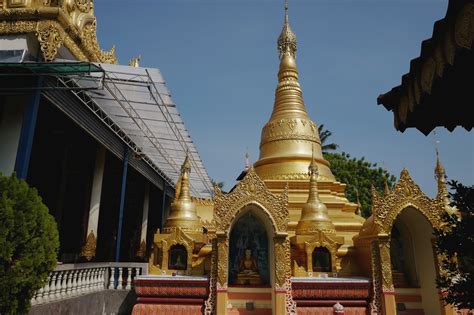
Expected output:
(249, 252)
(177, 257)
(321, 260)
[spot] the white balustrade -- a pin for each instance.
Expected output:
(70, 280)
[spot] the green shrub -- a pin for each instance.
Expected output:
(28, 244)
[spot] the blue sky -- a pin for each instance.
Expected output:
(220, 62)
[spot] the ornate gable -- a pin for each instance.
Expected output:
(406, 193)
(69, 23)
(251, 190)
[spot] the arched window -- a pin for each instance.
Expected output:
(177, 257)
(321, 260)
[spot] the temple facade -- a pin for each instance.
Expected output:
(286, 240)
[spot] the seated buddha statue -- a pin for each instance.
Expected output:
(248, 271)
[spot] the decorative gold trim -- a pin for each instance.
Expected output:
(49, 38)
(141, 250)
(89, 248)
(72, 24)
(405, 194)
(250, 190)
(322, 239)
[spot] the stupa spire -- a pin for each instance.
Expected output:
(314, 215)
(440, 175)
(288, 137)
(183, 210)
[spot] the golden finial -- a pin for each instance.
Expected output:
(247, 164)
(135, 61)
(359, 205)
(313, 167)
(287, 39)
(386, 189)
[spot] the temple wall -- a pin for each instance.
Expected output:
(98, 303)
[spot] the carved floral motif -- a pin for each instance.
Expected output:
(89, 248)
(251, 190)
(50, 39)
(405, 194)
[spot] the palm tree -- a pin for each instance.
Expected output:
(323, 136)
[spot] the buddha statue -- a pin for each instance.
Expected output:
(248, 270)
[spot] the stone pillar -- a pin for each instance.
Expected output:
(89, 248)
(222, 272)
(385, 267)
(146, 204)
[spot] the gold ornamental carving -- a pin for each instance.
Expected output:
(385, 264)
(70, 23)
(89, 248)
(250, 190)
(141, 250)
(282, 261)
(222, 261)
(322, 239)
(405, 194)
(50, 39)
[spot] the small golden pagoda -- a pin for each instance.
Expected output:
(181, 246)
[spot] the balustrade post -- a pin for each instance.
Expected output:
(69, 283)
(111, 284)
(75, 285)
(52, 287)
(57, 294)
(46, 289)
(120, 278)
(89, 280)
(129, 279)
(62, 293)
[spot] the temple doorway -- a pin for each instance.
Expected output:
(413, 261)
(249, 252)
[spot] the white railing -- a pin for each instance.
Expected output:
(71, 280)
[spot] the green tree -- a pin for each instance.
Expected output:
(455, 244)
(28, 244)
(323, 136)
(359, 175)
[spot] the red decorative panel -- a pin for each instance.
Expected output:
(164, 309)
(329, 311)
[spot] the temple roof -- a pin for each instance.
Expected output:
(138, 100)
(437, 91)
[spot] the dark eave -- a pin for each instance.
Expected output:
(439, 88)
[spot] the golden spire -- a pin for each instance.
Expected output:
(135, 61)
(288, 137)
(359, 205)
(440, 175)
(287, 39)
(386, 189)
(314, 215)
(183, 210)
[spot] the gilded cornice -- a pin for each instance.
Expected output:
(71, 24)
(250, 190)
(405, 194)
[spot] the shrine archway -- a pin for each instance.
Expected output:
(413, 258)
(252, 196)
(250, 234)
